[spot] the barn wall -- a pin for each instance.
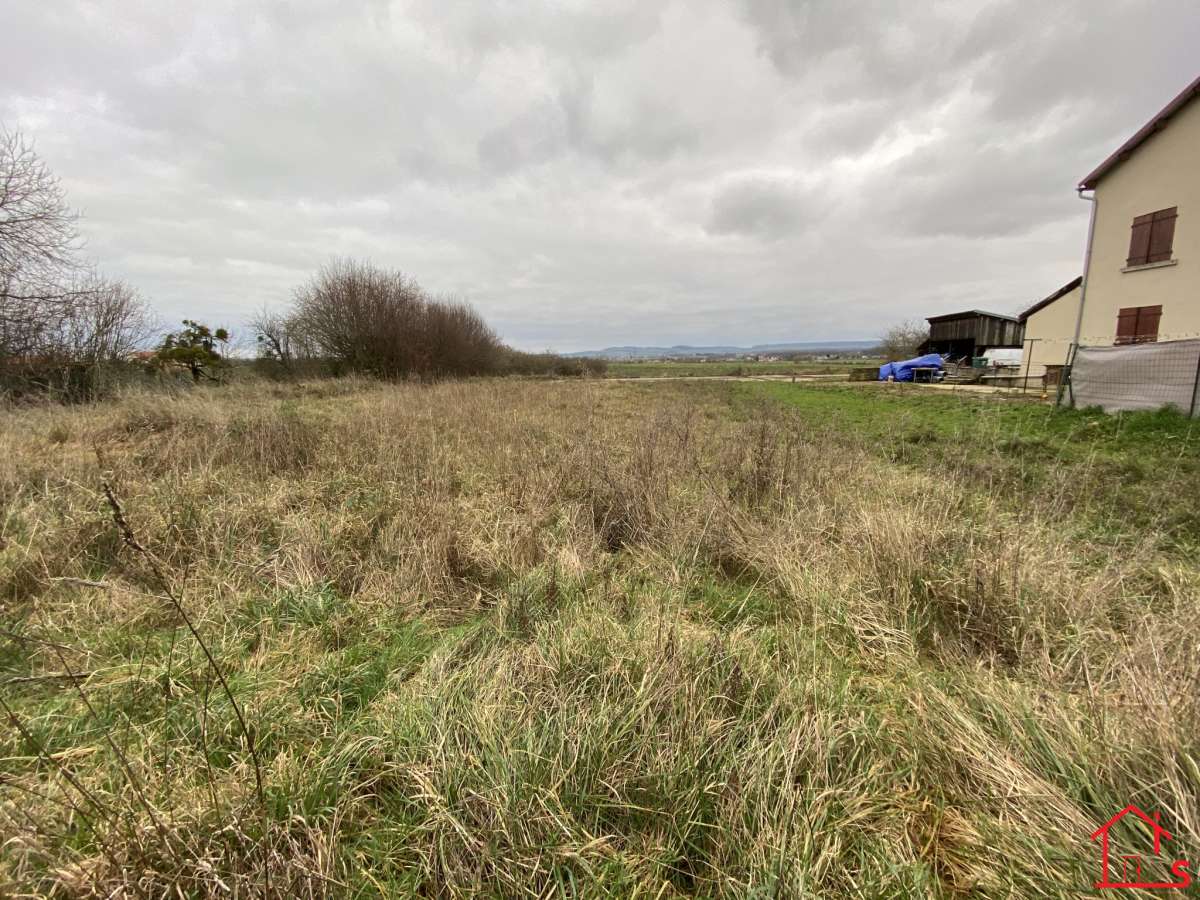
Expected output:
(985, 331)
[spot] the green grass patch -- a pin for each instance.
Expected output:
(731, 368)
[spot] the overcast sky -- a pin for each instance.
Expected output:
(595, 173)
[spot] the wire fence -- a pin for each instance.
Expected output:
(1134, 376)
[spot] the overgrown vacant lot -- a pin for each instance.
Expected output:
(536, 639)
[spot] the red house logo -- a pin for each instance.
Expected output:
(1127, 869)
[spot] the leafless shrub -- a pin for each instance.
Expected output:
(379, 322)
(516, 362)
(282, 345)
(355, 317)
(74, 347)
(108, 322)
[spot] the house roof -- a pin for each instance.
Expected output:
(1159, 831)
(1042, 304)
(970, 313)
(1155, 125)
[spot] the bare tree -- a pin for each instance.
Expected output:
(903, 341)
(108, 321)
(361, 316)
(60, 322)
(380, 322)
(37, 228)
(276, 335)
(38, 243)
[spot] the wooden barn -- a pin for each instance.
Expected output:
(967, 334)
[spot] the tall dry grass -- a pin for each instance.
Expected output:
(514, 639)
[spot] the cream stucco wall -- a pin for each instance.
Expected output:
(1163, 172)
(1052, 329)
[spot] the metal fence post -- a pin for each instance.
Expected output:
(1195, 385)
(1064, 380)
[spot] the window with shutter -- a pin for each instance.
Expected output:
(1162, 235)
(1138, 324)
(1147, 324)
(1152, 237)
(1139, 240)
(1127, 325)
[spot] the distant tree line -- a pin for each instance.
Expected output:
(69, 332)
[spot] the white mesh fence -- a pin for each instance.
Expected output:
(1136, 376)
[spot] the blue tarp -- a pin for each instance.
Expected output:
(902, 371)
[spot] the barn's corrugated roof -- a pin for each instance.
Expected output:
(970, 313)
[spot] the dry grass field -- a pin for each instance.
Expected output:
(530, 639)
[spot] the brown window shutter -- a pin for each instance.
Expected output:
(1162, 235)
(1147, 323)
(1139, 240)
(1127, 323)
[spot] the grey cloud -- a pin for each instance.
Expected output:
(954, 187)
(876, 48)
(594, 173)
(533, 137)
(596, 31)
(762, 206)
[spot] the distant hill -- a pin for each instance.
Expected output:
(686, 350)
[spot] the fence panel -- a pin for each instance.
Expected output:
(1137, 376)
